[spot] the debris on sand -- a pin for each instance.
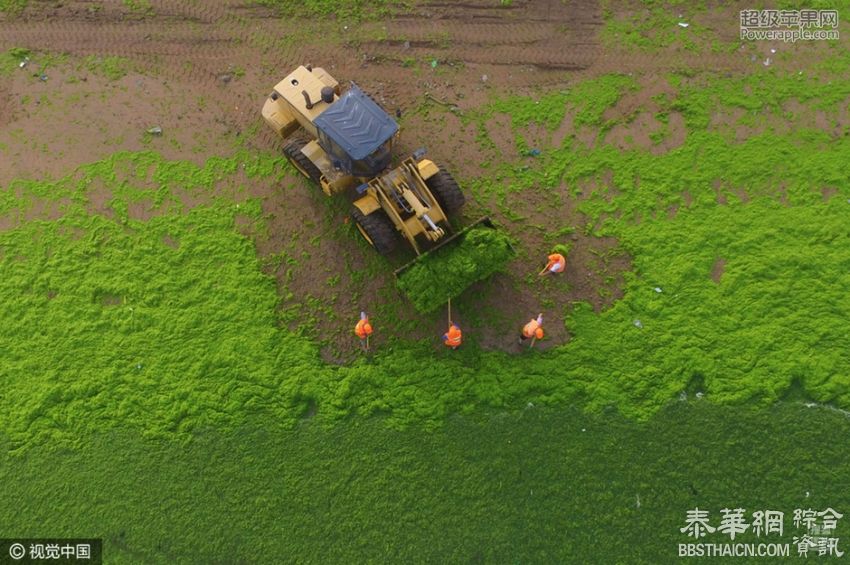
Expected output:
(156, 130)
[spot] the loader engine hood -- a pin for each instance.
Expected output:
(357, 134)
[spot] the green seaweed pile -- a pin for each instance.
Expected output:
(443, 274)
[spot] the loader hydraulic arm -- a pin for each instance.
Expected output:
(406, 198)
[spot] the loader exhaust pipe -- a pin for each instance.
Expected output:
(307, 100)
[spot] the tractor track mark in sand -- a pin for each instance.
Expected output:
(6, 107)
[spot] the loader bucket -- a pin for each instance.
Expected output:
(471, 255)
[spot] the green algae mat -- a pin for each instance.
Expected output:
(533, 486)
(168, 324)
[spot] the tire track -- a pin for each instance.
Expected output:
(183, 42)
(6, 107)
(527, 44)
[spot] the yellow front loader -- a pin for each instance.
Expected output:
(343, 141)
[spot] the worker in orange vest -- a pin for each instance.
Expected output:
(454, 337)
(363, 330)
(532, 330)
(557, 263)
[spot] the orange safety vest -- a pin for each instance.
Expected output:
(363, 328)
(557, 259)
(533, 329)
(454, 337)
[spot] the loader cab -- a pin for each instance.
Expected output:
(356, 134)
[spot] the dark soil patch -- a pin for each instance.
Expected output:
(100, 199)
(141, 210)
(717, 269)
(828, 192)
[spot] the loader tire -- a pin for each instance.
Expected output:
(292, 150)
(446, 191)
(377, 229)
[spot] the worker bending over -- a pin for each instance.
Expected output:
(454, 337)
(363, 330)
(532, 330)
(557, 263)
